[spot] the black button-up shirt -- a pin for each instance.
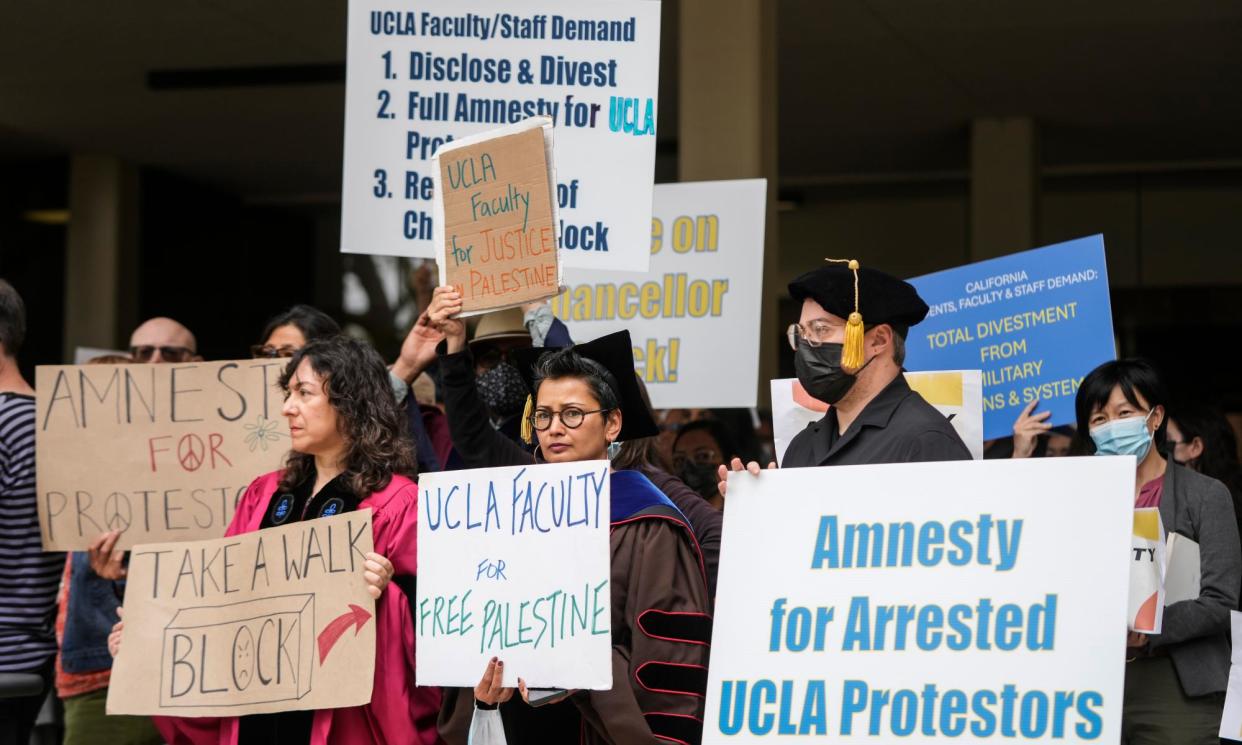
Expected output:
(897, 426)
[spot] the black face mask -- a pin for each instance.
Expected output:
(819, 371)
(699, 477)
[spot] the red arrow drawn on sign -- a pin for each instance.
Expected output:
(328, 637)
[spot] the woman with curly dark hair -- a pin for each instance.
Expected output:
(349, 451)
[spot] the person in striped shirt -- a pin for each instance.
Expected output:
(31, 576)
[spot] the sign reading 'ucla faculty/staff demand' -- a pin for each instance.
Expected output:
(421, 75)
(1035, 322)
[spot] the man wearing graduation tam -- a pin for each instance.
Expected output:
(849, 346)
(583, 399)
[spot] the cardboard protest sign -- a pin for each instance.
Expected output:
(161, 452)
(958, 394)
(421, 77)
(274, 620)
(496, 217)
(1231, 718)
(1036, 322)
(514, 562)
(929, 601)
(704, 286)
(1147, 565)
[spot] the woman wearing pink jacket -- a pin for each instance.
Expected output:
(349, 451)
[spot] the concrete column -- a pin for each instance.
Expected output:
(101, 277)
(1004, 186)
(727, 121)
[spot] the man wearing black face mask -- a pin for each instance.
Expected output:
(849, 345)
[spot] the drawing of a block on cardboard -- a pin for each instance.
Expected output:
(253, 652)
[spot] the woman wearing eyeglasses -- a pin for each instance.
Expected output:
(1175, 680)
(349, 452)
(585, 399)
(289, 331)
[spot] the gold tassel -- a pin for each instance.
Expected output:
(852, 355)
(527, 433)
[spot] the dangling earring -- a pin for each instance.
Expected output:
(614, 449)
(537, 454)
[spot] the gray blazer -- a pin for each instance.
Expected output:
(1196, 632)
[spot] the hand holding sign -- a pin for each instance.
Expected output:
(418, 350)
(722, 473)
(443, 316)
(114, 636)
(491, 689)
(106, 559)
(1028, 428)
(378, 573)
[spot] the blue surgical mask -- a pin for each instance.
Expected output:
(1127, 436)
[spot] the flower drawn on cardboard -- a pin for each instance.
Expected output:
(263, 432)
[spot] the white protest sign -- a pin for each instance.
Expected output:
(273, 620)
(974, 602)
(420, 76)
(694, 317)
(82, 355)
(958, 394)
(514, 563)
(1231, 717)
(1147, 566)
(1183, 571)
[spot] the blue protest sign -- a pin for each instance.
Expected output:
(1035, 322)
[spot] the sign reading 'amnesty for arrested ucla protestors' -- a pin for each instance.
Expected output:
(496, 217)
(161, 452)
(274, 620)
(704, 286)
(514, 563)
(420, 76)
(1036, 322)
(927, 601)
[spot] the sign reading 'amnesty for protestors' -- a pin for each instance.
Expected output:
(159, 452)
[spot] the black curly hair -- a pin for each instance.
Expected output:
(355, 380)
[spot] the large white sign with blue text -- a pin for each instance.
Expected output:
(420, 75)
(976, 602)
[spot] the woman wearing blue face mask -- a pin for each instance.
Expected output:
(1176, 680)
